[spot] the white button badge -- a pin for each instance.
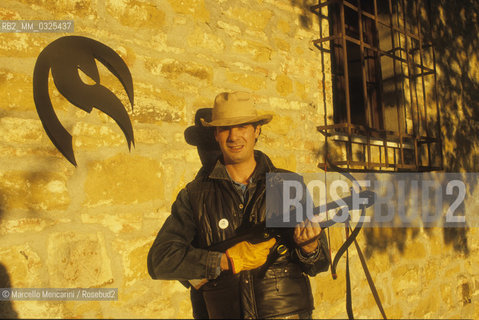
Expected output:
(223, 223)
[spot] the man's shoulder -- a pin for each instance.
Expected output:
(202, 177)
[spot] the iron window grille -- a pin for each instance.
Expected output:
(383, 80)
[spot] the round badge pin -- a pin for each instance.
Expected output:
(223, 223)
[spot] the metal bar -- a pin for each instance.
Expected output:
(346, 79)
(436, 95)
(369, 113)
(322, 49)
(397, 29)
(422, 80)
(385, 53)
(410, 71)
(423, 74)
(332, 126)
(414, 78)
(333, 37)
(351, 6)
(371, 16)
(396, 89)
(388, 53)
(393, 56)
(373, 165)
(379, 79)
(402, 72)
(365, 74)
(321, 5)
(360, 127)
(326, 151)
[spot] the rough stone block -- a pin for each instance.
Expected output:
(284, 85)
(92, 136)
(158, 106)
(78, 260)
(405, 277)
(379, 264)
(253, 18)
(22, 45)
(44, 152)
(150, 136)
(284, 104)
(137, 14)
(127, 54)
(162, 299)
(282, 45)
(415, 250)
(245, 80)
(117, 222)
(172, 69)
(123, 179)
(35, 190)
(134, 255)
(8, 14)
(23, 266)
(83, 309)
(38, 309)
(301, 90)
(284, 26)
(25, 225)
(428, 306)
(258, 51)
(285, 162)
(14, 90)
(231, 29)
(395, 311)
(153, 111)
(335, 290)
(206, 40)
(20, 131)
(196, 8)
(282, 125)
(81, 8)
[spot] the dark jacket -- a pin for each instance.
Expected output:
(180, 249)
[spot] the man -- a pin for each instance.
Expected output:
(213, 207)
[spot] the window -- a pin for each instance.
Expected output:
(385, 111)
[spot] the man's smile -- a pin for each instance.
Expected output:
(235, 148)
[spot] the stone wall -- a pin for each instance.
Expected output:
(92, 225)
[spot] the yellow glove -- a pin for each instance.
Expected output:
(247, 256)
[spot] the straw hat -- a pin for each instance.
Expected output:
(233, 108)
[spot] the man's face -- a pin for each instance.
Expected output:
(237, 142)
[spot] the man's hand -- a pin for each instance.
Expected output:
(306, 231)
(247, 256)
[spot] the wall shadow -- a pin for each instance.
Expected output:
(305, 17)
(7, 310)
(454, 35)
(203, 139)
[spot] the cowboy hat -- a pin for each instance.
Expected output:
(234, 108)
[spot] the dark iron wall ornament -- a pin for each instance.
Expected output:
(64, 57)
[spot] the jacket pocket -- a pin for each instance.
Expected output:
(282, 291)
(222, 297)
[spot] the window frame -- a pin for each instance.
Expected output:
(413, 144)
